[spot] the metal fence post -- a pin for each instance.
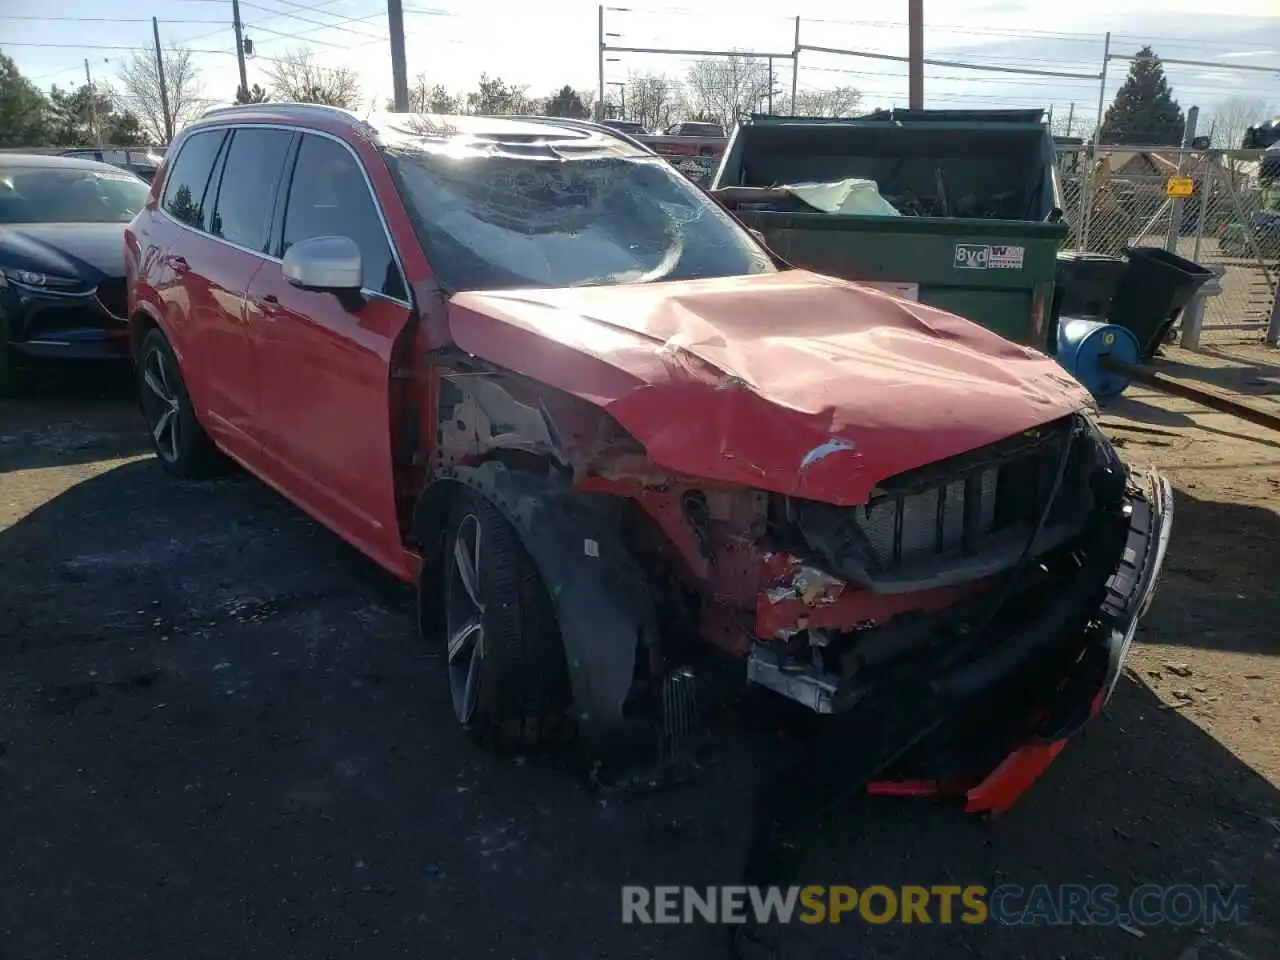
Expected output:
(1273, 331)
(1086, 183)
(1206, 187)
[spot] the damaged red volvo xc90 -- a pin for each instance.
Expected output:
(529, 367)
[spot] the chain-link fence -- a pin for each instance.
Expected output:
(1117, 198)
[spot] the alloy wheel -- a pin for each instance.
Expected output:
(163, 406)
(464, 619)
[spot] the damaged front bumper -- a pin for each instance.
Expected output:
(1081, 694)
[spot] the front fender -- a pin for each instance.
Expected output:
(599, 591)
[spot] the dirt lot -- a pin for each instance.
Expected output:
(218, 738)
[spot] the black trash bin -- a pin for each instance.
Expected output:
(1083, 287)
(1085, 284)
(1155, 287)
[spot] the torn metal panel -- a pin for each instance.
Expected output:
(482, 411)
(814, 364)
(601, 595)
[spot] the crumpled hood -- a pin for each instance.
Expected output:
(791, 382)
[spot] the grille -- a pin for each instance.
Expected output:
(112, 297)
(914, 527)
(981, 504)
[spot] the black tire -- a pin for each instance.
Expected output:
(10, 375)
(521, 697)
(180, 443)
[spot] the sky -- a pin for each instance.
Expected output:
(554, 42)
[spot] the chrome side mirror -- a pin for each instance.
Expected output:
(324, 263)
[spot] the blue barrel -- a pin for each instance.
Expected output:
(1082, 343)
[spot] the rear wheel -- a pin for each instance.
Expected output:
(181, 444)
(10, 375)
(508, 681)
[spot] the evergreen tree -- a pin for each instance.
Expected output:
(1144, 112)
(24, 110)
(568, 103)
(254, 94)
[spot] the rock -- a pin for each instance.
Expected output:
(1177, 669)
(1182, 694)
(1200, 688)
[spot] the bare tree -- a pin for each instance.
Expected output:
(725, 87)
(140, 91)
(495, 96)
(430, 98)
(833, 102)
(1234, 115)
(297, 78)
(1231, 118)
(652, 100)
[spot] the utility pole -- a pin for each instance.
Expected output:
(771, 86)
(915, 54)
(164, 89)
(93, 106)
(600, 52)
(399, 71)
(235, 22)
(795, 67)
(1071, 117)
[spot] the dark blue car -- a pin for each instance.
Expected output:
(62, 293)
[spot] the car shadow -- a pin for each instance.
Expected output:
(69, 415)
(1218, 590)
(227, 707)
(1131, 408)
(1242, 377)
(1143, 795)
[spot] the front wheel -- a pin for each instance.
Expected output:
(181, 444)
(508, 680)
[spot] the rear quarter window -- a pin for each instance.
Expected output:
(186, 191)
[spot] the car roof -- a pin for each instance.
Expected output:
(56, 163)
(403, 129)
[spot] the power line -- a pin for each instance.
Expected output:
(336, 25)
(293, 36)
(15, 16)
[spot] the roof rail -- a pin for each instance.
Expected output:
(287, 107)
(590, 126)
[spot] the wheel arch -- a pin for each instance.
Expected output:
(142, 321)
(597, 588)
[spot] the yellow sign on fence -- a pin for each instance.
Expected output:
(1180, 187)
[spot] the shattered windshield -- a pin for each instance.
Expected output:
(497, 220)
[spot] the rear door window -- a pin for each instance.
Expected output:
(186, 189)
(328, 197)
(250, 175)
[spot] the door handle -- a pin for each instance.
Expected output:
(271, 298)
(179, 264)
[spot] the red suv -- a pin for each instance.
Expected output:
(621, 448)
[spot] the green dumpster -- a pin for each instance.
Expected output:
(980, 213)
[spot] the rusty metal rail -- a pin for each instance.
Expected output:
(1207, 398)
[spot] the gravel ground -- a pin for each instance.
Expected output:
(218, 738)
